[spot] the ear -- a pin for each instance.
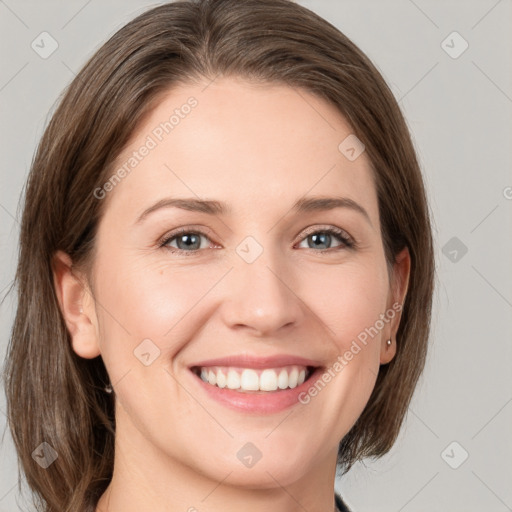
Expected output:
(396, 299)
(76, 305)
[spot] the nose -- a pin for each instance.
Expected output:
(262, 297)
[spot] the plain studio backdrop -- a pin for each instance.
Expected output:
(448, 64)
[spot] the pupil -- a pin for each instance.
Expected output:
(189, 241)
(322, 239)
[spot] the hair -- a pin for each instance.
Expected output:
(55, 396)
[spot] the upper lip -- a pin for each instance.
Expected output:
(248, 361)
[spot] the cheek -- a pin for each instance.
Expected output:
(348, 299)
(349, 303)
(148, 314)
(339, 395)
(141, 301)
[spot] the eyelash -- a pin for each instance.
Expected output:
(346, 241)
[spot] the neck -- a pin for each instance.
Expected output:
(146, 479)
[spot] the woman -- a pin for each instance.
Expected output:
(226, 269)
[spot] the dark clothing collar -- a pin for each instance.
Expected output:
(340, 505)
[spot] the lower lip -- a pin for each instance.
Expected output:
(268, 402)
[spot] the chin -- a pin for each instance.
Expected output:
(272, 471)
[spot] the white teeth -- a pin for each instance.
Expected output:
(292, 378)
(268, 380)
(233, 381)
(282, 380)
(221, 380)
(249, 379)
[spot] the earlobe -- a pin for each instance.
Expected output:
(76, 307)
(388, 351)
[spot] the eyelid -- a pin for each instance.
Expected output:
(200, 230)
(343, 234)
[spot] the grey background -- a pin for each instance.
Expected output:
(459, 112)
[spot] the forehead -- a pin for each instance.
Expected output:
(251, 145)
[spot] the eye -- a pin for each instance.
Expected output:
(184, 241)
(320, 238)
(188, 241)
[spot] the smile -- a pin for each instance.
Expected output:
(251, 380)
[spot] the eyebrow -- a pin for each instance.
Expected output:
(211, 207)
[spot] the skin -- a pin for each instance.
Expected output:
(258, 148)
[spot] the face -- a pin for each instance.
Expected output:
(282, 302)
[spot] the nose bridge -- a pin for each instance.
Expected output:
(260, 295)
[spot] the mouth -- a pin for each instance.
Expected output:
(253, 384)
(256, 385)
(255, 380)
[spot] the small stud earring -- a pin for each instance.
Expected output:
(388, 343)
(108, 388)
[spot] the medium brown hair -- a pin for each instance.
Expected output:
(55, 396)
